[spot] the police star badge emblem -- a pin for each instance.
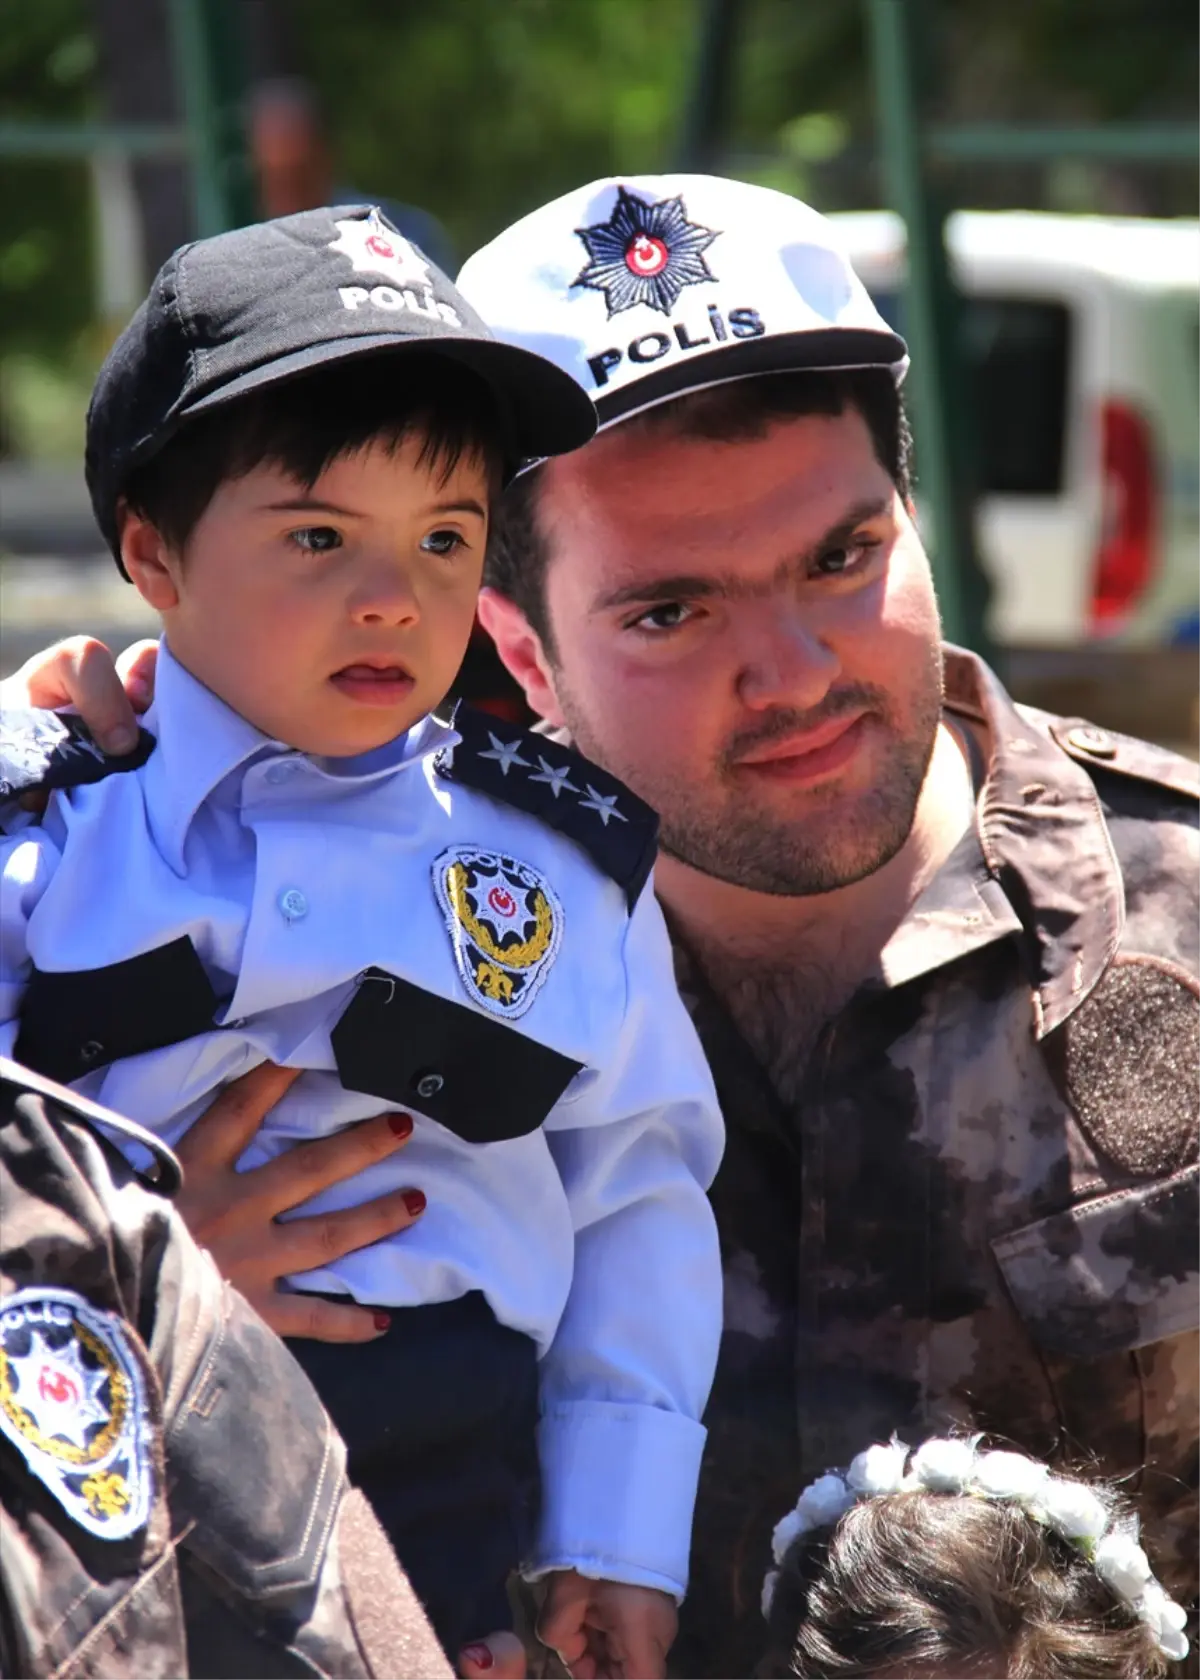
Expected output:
(374, 249)
(645, 253)
(505, 925)
(73, 1403)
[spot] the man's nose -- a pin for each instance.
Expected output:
(383, 595)
(784, 660)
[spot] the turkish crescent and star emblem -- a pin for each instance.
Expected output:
(374, 249)
(505, 924)
(645, 253)
(73, 1403)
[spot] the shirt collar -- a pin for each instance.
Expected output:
(201, 741)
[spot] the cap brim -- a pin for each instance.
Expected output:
(828, 349)
(542, 409)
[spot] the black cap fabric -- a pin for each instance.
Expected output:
(229, 315)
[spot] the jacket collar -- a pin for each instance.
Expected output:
(1045, 843)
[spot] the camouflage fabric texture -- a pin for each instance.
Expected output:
(254, 1557)
(982, 1207)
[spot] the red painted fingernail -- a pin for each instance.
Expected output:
(414, 1201)
(401, 1124)
(479, 1655)
(381, 1321)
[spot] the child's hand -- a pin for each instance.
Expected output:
(605, 1629)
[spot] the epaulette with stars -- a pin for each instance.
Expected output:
(42, 749)
(559, 786)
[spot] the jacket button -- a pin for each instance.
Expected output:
(428, 1084)
(91, 1051)
(1098, 743)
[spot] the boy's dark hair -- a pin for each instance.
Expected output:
(922, 1583)
(518, 552)
(304, 424)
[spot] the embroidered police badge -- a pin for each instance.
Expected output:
(505, 925)
(373, 248)
(73, 1403)
(645, 253)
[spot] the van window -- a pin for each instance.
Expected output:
(1016, 354)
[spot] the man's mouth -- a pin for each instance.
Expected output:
(374, 682)
(808, 754)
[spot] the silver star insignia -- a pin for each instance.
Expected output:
(505, 753)
(605, 806)
(555, 780)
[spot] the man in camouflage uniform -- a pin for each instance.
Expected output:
(172, 1493)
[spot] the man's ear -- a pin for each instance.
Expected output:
(146, 557)
(520, 649)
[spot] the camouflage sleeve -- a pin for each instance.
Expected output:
(172, 1493)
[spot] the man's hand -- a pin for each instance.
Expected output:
(80, 672)
(234, 1214)
(604, 1628)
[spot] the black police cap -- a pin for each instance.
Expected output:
(246, 309)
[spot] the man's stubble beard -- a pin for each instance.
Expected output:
(819, 848)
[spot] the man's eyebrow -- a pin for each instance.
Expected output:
(698, 586)
(676, 588)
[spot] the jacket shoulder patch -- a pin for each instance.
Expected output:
(1105, 749)
(1128, 1055)
(561, 788)
(42, 749)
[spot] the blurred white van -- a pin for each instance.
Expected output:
(1082, 353)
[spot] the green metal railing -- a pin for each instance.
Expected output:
(210, 69)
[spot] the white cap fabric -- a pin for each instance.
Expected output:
(648, 286)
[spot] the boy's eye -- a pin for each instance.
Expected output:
(443, 542)
(670, 615)
(316, 539)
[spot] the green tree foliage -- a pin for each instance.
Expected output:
(47, 59)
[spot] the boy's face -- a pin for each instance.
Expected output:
(331, 617)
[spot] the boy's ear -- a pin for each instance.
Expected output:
(520, 649)
(148, 560)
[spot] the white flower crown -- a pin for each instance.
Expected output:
(1076, 1512)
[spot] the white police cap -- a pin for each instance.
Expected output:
(652, 285)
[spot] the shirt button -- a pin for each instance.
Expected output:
(282, 772)
(429, 1084)
(293, 905)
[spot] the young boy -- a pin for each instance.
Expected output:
(292, 451)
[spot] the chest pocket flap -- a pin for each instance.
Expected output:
(1111, 1274)
(482, 1080)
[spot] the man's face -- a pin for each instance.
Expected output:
(746, 633)
(334, 616)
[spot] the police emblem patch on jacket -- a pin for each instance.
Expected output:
(73, 1403)
(505, 925)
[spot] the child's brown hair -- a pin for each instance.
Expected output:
(921, 1582)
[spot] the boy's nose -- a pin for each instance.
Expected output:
(386, 598)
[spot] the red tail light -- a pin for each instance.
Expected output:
(1125, 558)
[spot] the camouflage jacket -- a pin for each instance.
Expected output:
(172, 1493)
(983, 1205)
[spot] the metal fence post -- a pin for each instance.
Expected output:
(209, 63)
(930, 324)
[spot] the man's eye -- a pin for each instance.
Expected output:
(443, 542)
(316, 539)
(669, 616)
(847, 557)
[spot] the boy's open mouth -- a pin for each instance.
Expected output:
(373, 683)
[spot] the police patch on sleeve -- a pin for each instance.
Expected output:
(505, 925)
(73, 1403)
